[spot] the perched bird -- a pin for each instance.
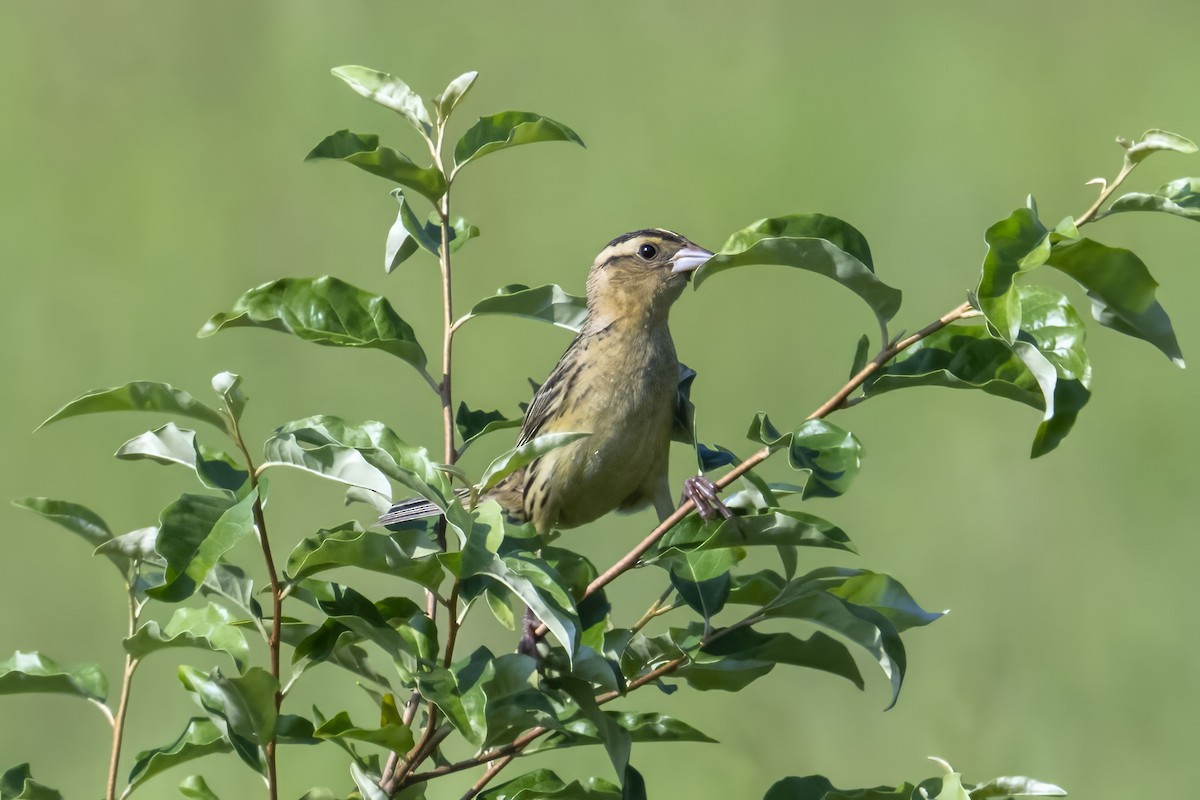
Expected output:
(617, 380)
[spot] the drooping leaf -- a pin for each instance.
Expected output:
(34, 673)
(735, 659)
(344, 653)
(404, 554)
(509, 462)
(1153, 141)
(324, 311)
(367, 783)
(243, 708)
(18, 784)
(1179, 197)
(395, 737)
(454, 92)
(208, 628)
(140, 396)
(194, 532)
(1121, 289)
(199, 738)
(814, 242)
(171, 444)
(833, 457)
(509, 129)
(774, 527)
(389, 92)
(363, 151)
(1016, 244)
(549, 303)
(76, 518)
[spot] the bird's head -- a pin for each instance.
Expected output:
(642, 273)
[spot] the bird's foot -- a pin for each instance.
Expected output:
(703, 494)
(528, 643)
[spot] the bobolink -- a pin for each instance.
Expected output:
(618, 380)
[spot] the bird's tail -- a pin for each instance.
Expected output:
(414, 508)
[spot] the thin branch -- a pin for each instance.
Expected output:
(1105, 193)
(118, 721)
(486, 778)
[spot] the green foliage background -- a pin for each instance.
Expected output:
(150, 171)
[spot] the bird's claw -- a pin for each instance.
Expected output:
(528, 643)
(703, 494)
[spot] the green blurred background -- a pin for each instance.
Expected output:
(150, 159)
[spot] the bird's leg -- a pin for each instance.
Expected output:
(703, 494)
(528, 644)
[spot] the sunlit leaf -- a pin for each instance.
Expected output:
(193, 786)
(396, 738)
(549, 303)
(1121, 289)
(1013, 787)
(324, 311)
(243, 709)
(1016, 244)
(404, 554)
(1179, 197)
(199, 738)
(18, 784)
(140, 396)
(171, 444)
(208, 628)
(453, 93)
(389, 91)
(543, 784)
(367, 783)
(472, 424)
(34, 673)
(1153, 141)
(509, 129)
(332, 461)
(511, 461)
(774, 527)
(814, 242)
(364, 152)
(733, 660)
(194, 532)
(702, 577)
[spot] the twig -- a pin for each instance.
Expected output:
(486, 778)
(1105, 193)
(118, 721)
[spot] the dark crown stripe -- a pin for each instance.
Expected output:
(666, 236)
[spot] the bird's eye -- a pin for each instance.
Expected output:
(647, 251)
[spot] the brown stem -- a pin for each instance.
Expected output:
(1087, 216)
(118, 722)
(486, 778)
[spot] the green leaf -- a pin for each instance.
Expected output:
(641, 726)
(243, 709)
(1015, 786)
(231, 583)
(18, 784)
(509, 129)
(171, 444)
(390, 92)
(367, 783)
(1051, 346)
(861, 355)
(549, 303)
(405, 554)
(324, 311)
(209, 628)
(194, 532)
(512, 460)
(1153, 141)
(140, 396)
(364, 152)
(344, 653)
(445, 102)
(775, 527)
(334, 462)
(818, 787)
(702, 577)
(1121, 289)
(194, 786)
(1179, 197)
(814, 242)
(199, 738)
(735, 659)
(1016, 244)
(34, 673)
(408, 233)
(395, 737)
(543, 784)
(76, 518)
(884, 594)
(473, 424)
(833, 457)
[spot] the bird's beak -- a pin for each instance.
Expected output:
(689, 259)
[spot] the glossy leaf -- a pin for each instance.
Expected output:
(34, 673)
(230, 582)
(173, 445)
(1015, 786)
(1179, 197)
(331, 461)
(199, 738)
(395, 737)
(140, 396)
(208, 628)
(193, 786)
(549, 303)
(367, 783)
(405, 236)
(18, 784)
(194, 532)
(405, 554)
(641, 726)
(509, 129)
(884, 594)
(1015, 245)
(511, 461)
(457, 89)
(735, 659)
(833, 457)
(818, 787)
(243, 709)
(344, 653)
(363, 151)
(1153, 141)
(324, 311)
(389, 92)
(228, 387)
(702, 577)
(773, 528)
(544, 784)
(76, 518)
(814, 242)
(1121, 289)
(472, 424)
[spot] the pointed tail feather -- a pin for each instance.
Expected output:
(414, 508)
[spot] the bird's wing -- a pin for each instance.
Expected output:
(547, 403)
